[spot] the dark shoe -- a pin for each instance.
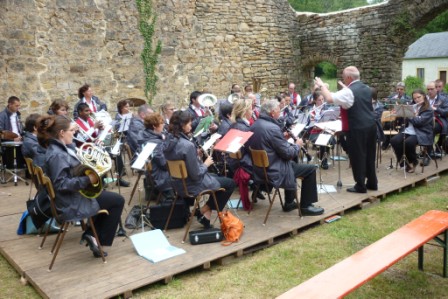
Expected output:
(425, 162)
(312, 211)
(202, 219)
(254, 197)
(372, 188)
(354, 190)
(91, 242)
(123, 183)
(324, 164)
(288, 207)
(260, 195)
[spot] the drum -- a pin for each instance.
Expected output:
(11, 149)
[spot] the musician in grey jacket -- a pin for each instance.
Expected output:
(10, 117)
(55, 133)
(282, 171)
(179, 147)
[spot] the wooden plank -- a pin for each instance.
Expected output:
(352, 272)
(125, 271)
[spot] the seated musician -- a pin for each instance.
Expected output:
(282, 171)
(154, 126)
(54, 133)
(241, 115)
(31, 148)
(419, 131)
(123, 117)
(90, 130)
(225, 110)
(197, 112)
(399, 96)
(136, 125)
(179, 147)
(58, 107)
(167, 109)
(315, 116)
(85, 95)
(439, 104)
(10, 118)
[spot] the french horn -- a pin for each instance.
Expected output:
(93, 160)
(207, 100)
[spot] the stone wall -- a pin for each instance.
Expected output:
(50, 48)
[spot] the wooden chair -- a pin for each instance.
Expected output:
(30, 168)
(178, 171)
(46, 182)
(388, 117)
(260, 159)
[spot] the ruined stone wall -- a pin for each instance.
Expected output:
(50, 48)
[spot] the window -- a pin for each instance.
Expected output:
(421, 73)
(442, 76)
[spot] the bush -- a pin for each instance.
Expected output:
(413, 83)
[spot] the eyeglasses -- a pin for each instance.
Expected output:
(430, 88)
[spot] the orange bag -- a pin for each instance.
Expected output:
(231, 227)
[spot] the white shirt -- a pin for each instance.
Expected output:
(344, 97)
(13, 120)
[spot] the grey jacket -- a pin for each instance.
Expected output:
(70, 203)
(159, 173)
(181, 148)
(5, 122)
(135, 126)
(32, 149)
(423, 125)
(269, 137)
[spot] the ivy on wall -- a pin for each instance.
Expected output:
(150, 53)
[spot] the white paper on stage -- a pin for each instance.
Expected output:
(212, 140)
(116, 149)
(139, 163)
(326, 189)
(330, 126)
(323, 140)
(154, 246)
(404, 111)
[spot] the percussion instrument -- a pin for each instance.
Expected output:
(136, 102)
(7, 134)
(12, 154)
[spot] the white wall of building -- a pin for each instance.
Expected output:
(432, 67)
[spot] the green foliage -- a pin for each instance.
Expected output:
(402, 25)
(438, 24)
(412, 83)
(328, 6)
(326, 69)
(150, 53)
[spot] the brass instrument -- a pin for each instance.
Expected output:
(93, 160)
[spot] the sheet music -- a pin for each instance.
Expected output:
(139, 163)
(235, 145)
(116, 149)
(124, 123)
(233, 141)
(154, 246)
(297, 129)
(209, 143)
(104, 132)
(404, 111)
(323, 139)
(330, 126)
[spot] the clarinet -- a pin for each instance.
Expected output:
(305, 152)
(204, 152)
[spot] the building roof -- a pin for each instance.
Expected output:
(430, 45)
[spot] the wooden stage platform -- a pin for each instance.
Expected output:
(77, 274)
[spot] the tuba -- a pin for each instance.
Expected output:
(93, 160)
(207, 100)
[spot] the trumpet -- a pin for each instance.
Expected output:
(93, 160)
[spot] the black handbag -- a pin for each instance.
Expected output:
(158, 214)
(206, 236)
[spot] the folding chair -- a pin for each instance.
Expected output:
(178, 171)
(63, 224)
(260, 159)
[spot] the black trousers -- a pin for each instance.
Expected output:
(362, 153)
(222, 196)
(407, 146)
(106, 225)
(308, 192)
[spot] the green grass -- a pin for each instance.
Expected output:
(270, 272)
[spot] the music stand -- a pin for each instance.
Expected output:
(406, 112)
(139, 165)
